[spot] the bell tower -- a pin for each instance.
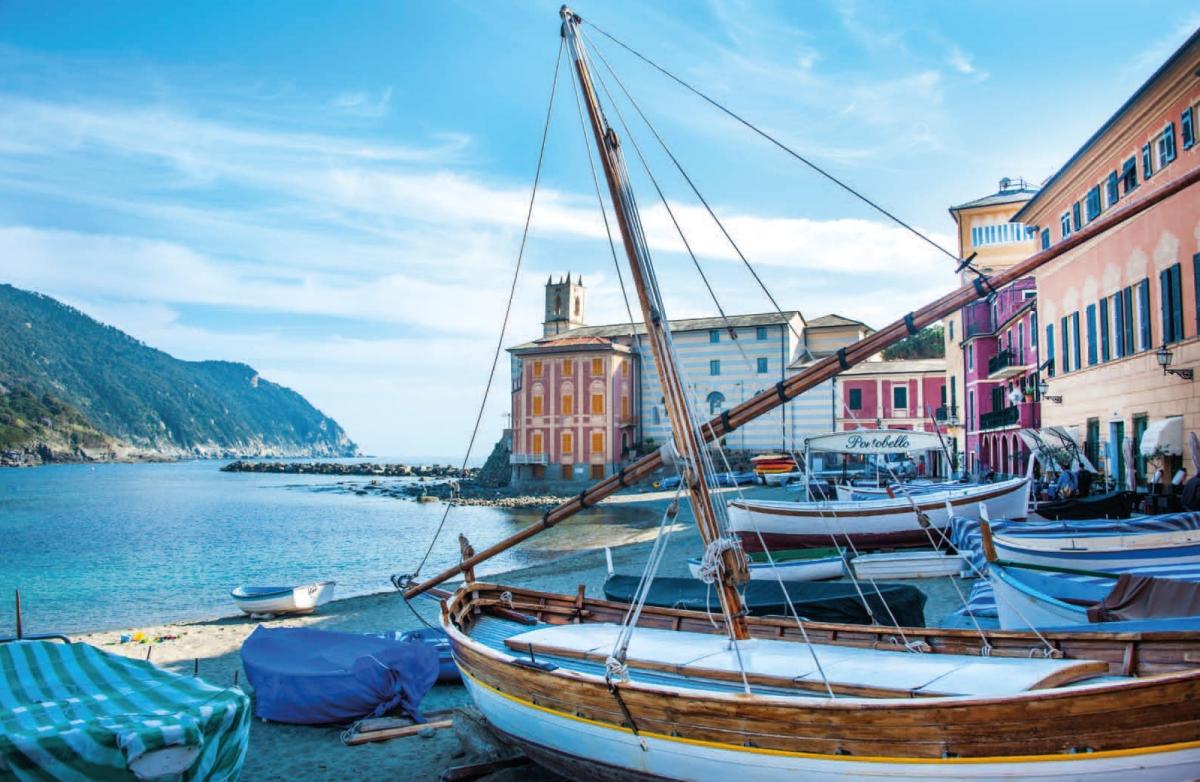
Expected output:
(564, 305)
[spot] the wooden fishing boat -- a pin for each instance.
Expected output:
(852, 493)
(814, 564)
(885, 523)
(277, 600)
(598, 690)
(536, 669)
(1102, 545)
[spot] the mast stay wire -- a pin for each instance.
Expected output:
(696, 191)
(512, 290)
(666, 205)
(604, 214)
(784, 147)
(720, 450)
(744, 260)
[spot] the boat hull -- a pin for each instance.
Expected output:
(907, 564)
(871, 524)
(583, 749)
(1019, 606)
(1108, 553)
(302, 599)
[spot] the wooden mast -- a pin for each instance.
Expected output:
(821, 371)
(688, 442)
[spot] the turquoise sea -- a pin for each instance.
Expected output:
(110, 546)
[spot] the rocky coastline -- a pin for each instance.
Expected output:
(463, 492)
(362, 468)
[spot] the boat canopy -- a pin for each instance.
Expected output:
(1056, 448)
(1164, 436)
(875, 441)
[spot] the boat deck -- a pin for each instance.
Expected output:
(775, 666)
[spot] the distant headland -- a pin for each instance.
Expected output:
(73, 389)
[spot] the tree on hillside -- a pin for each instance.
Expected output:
(929, 342)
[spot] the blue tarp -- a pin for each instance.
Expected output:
(312, 677)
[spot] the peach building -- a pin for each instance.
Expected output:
(1113, 310)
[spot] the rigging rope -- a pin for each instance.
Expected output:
(508, 307)
(698, 194)
(734, 115)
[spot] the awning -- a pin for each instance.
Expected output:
(875, 441)
(1163, 437)
(1056, 447)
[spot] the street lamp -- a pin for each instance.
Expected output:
(1165, 357)
(1044, 392)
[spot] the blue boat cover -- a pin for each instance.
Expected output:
(311, 677)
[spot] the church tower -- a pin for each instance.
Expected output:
(564, 305)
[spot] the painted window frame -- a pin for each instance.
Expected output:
(1076, 358)
(854, 399)
(1164, 146)
(760, 333)
(1170, 292)
(1064, 224)
(761, 366)
(1187, 127)
(1094, 203)
(1129, 177)
(714, 367)
(902, 390)
(1045, 238)
(1050, 364)
(1145, 336)
(1112, 186)
(1147, 162)
(714, 336)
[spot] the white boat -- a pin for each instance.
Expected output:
(1034, 598)
(857, 493)
(907, 564)
(802, 565)
(886, 523)
(780, 478)
(1101, 545)
(275, 600)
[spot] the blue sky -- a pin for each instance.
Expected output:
(334, 193)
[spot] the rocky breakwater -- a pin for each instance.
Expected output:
(362, 468)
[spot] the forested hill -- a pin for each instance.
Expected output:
(66, 379)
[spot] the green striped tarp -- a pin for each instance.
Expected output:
(72, 711)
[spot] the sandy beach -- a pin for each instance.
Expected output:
(291, 752)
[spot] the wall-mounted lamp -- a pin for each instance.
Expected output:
(1044, 392)
(1165, 357)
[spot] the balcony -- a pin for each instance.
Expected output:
(1023, 415)
(1004, 365)
(528, 458)
(977, 319)
(947, 414)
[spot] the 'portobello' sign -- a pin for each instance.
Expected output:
(874, 441)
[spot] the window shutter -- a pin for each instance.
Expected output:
(1176, 275)
(1119, 325)
(1144, 306)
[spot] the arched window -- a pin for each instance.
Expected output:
(558, 304)
(577, 306)
(716, 401)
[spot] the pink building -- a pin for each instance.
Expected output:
(902, 394)
(573, 409)
(1000, 361)
(1120, 315)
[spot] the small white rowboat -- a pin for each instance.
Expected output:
(907, 564)
(272, 600)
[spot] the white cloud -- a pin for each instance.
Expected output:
(363, 104)
(960, 62)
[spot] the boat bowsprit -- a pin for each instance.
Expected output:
(275, 600)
